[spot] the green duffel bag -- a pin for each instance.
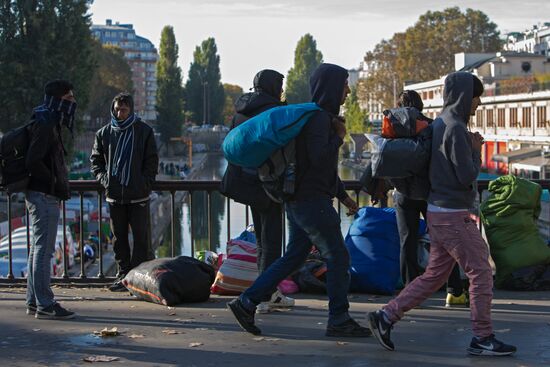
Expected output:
(509, 217)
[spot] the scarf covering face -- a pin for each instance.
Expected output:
(66, 110)
(124, 150)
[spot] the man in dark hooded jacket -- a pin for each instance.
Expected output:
(454, 167)
(268, 222)
(312, 218)
(125, 161)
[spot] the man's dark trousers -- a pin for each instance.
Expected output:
(309, 222)
(137, 217)
(268, 226)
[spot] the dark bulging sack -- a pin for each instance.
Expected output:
(171, 281)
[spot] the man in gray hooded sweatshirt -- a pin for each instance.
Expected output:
(454, 167)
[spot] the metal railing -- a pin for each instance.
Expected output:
(79, 188)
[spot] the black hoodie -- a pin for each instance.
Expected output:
(268, 85)
(454, 166)
(317, 144)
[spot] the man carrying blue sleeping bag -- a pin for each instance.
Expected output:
(312, 218)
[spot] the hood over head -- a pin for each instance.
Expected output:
(269, 82)
(327, 86)
(458, 95)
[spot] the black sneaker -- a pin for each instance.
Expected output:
(490, 346)
(54, 312)
(381, 329)
(31, 310)
(349, 328)
(244, 317)
(118, 286)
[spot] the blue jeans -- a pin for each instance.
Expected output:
(312, 222)
(44, 214)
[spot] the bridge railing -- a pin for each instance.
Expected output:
(80, 273)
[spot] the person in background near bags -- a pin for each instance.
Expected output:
(408, 212)
(268, 222)
(125, 161)
(454, 167)
(49, 183)
(312, 218)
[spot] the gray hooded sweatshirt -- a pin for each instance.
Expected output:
(454, 166)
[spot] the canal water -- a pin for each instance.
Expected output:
(213, 169)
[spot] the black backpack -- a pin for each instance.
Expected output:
(14, 176)
(278, 173)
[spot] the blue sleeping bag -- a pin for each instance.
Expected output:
(373, 245)
(251, 143)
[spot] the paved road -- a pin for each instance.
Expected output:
(429, 336)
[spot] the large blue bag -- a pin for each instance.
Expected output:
(251, 143)
(373, 245)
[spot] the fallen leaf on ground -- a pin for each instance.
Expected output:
(194, 345)
(259, 339)
(36, 329)
(172, 332)
(341, 343)
(136, 336)
(171, 308)
(184, 321)
(201, 328)
(100, 358)
(172, 314)
(272, 339)
(282, 309)
(107, 332)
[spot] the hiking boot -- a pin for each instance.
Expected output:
(244, 317)
(118, 286)
(490, 346)
(54, 312)
(31, 310)
(349, 328)
(457, 301)
(278, 300)
(381, 329)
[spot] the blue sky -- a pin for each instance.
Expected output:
(257, 34)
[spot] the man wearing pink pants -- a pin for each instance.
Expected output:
(454, 167)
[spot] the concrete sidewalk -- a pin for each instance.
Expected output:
(207, 335)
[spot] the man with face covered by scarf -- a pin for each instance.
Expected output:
(48, 185)
(125, 161)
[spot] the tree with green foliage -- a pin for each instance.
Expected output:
(354, 115)
(306, 59)
(205, 97)
(39, 41)
(169, 105)
(425, 51)
(232, 93)
(112, 76)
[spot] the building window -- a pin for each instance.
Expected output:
(479, 118)
(501, 117)
(526, 117)
(431, 94)
(513, 117)
(541, 117)
(490, 119)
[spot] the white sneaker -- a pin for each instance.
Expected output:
(278, 300)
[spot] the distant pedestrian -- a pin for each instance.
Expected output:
(312, 219)
(125, 161)
(49, 183)
(454, 167)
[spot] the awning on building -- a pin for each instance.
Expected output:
(536, 164)
(516, 155)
